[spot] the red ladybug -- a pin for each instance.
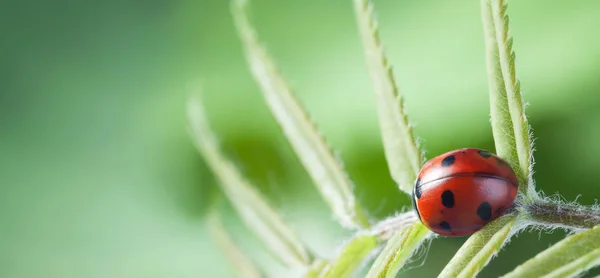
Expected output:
(458, 192)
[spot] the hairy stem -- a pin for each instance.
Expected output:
(568, 216)
(386, 228)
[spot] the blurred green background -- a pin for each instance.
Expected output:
(98, 175)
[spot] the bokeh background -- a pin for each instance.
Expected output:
(98, 177)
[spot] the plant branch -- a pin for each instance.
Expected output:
(567, 216)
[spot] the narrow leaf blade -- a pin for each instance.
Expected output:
(398, 250)
(509, 123)
(402, 153)
(478, 250)
(254, 210)
(521, 126)
(567, 258)
(312, 150)
(243, 266)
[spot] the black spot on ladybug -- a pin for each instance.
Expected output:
(446, 226)
(484, 211)
(448, 160)
(448, 199)
(484, 154)
(414, 204)
(417, 190)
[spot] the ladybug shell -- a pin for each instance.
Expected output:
(458, 192)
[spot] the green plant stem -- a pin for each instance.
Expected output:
(568, 216)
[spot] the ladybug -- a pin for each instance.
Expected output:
(459, 192)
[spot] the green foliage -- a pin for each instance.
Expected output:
(511, 134)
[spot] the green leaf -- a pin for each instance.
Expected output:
(567, 258)
(509, 123)
(314, 153)
(398, 250)
(478, 250)
(402, 153)
(254, 210)
(241, 264)
(351, 256)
